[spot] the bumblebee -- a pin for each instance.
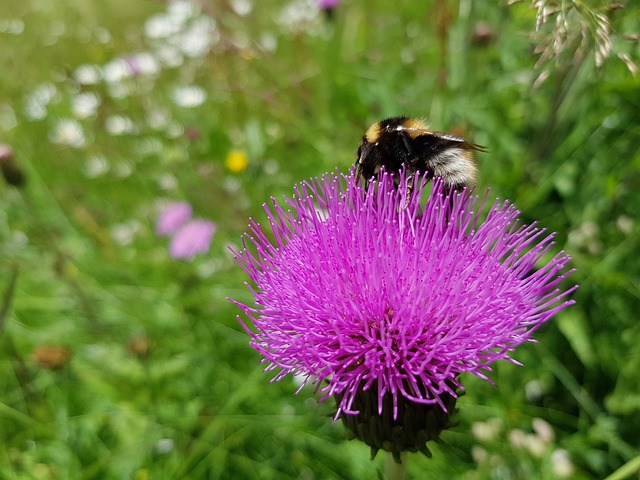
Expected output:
(403, 141)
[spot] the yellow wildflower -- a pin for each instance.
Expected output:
(236, 161)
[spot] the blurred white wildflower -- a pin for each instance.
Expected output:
(96, 166)
(142, 63)
(168, 182)
(174, 130)
(611, 121)
(119, 125)
(19, 238)
(158, 118)
(182, 10)
(198, 38)
(36, 103)
(231, 184)
(586, 236)
(268, 42)
(116, 70)
(149, 146)
(164, 446)
(534, 390)
(123, 169)
(299, 16)
(13, 26)
(85, 105)
(68, 132)
(120, 90)
(53, 32)
(535, 445)
(625, 224)
(517, 439)
(137, 64)
(561, 464)
(189, 96)
(160, 26)
(271, 167)
(169, 56)
(8, 119)
(124, 233)
(241, 41)
(543, 429)
(479, 454)
(88, 74)
(487, 431)
(181, 30)
(242, 7)
(101, 34)
(164, 25)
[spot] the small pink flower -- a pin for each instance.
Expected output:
(172, 217)
(328, 4)
(191, 239)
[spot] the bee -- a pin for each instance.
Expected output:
(403, 141)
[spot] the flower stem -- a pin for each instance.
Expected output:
(394, 470)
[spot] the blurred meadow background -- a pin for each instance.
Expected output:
(119, 361)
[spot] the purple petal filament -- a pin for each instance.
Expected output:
(354, 289)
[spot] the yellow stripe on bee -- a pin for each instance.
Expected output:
(415, 127)
(373, 133)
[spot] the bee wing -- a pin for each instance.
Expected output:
(463, 143)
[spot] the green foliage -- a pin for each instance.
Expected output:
(118, 361)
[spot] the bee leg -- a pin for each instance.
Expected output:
(407, 192)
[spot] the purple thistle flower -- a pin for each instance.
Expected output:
(191, 239)
(172, 217)
(373, 294)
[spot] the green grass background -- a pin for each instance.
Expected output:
(81, 267)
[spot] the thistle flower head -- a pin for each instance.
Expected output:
(372, 292)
